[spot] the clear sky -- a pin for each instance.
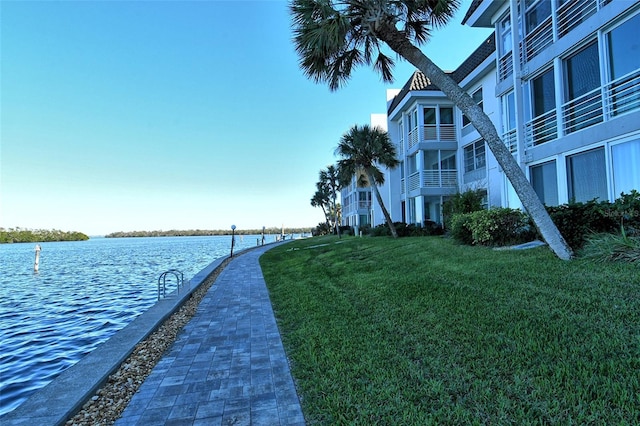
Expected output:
(158, 115)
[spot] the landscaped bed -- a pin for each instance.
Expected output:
(423, 330)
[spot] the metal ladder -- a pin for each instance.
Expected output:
(162, 281)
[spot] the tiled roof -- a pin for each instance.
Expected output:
(475, 59)
(472, 8)
(419, 82)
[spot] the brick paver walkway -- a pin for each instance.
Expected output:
(228, 366)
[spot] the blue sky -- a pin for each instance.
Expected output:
(158, 115)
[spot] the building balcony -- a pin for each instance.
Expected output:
(432, 133)
(505, 66)
(605, 103)
(433, 179)
(510, 140)
(567, 17)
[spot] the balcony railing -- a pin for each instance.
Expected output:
(582, 112)
(414, 181)
(413, 137)
(510, 140)
(623, 94)
(541, 129)
(364, 205)
(536, 41)
(505, 66)
(447, 132)
(619, 97)
(440, 178)
(573, 13)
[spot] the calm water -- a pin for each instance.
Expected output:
(84, 292)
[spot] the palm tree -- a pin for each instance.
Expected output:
(333, 37)
(329, 181)
(362, 148)
(321, 199)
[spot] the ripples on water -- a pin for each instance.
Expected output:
(84, 292)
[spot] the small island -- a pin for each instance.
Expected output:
(208, 233)
(20, 235)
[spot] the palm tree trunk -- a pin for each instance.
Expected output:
(399, 43)
(335, 216)
(326, 217)
(386, 214)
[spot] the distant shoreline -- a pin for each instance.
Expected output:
(209, 233)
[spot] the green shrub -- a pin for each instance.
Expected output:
(495, 227)
(612, 247)
(365, 229)
(576, 221)
(626, 212)
(463, 202)
(501, 227)
(432, 228)
(381, 230)
(408, 230)
(460, 228)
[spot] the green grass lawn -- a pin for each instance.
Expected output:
(420, 331)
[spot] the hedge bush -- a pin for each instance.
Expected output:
(495, 227)
(576, 221)
(463, 202)
(408, 230)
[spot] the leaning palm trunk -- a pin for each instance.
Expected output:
(326, 217)
(386, 214)
(399, 43)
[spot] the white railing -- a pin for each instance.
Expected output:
(573, 13)
(414, 181)
(430, 132)
(619, 97)
(447, 132)
(402, 186)
(401, 145)
(541, 129)
(582, 112)
(505, 66)
(623, 94)
(440, 178)
(510, 140)
(536, 41)
(413, 137)
(364, 205)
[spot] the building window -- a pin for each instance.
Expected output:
(474, 156)
(623, 47)
(543, 103)
(587, 176)
(412, 163)
(582, 83)
(477, 98)
(537, 13)
(544, 91)
(430, 126)
(544, 179)
(506, 41)
(446, 115)
(625, 160)
(509, 122)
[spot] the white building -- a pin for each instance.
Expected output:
(566, 101)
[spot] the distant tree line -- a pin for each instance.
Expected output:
(20, 235)
(205, 233)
